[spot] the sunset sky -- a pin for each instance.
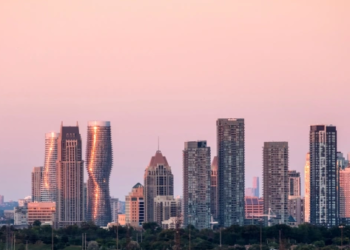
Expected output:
(169, 69)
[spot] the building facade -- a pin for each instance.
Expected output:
(214, 188)
(166, 207)
(342, 162)
(99, 159)
(36, 183)
(294, 183)
(20, 216)
(135, 206)
(275, 176)
(41, 211)
(324, 176)
(344, 183)
(250, 192)
(2, 200)
(114, 209)
(159, 181)
(296, 209)
(70, 178)
(48, 190)
(256, 186)
(307, 189)
(231, 162)
(254, 207)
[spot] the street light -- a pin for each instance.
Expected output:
(260, 222)
(341, 229)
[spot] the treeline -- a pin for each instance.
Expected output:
(303, 237)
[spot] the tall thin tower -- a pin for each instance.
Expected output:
(48, 187)
(307, 188)
(231, 161)
(70, 178)
(36, 181)
(99, 161)
(214, 188)
(324, 176)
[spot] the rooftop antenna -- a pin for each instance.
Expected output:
(158, 143)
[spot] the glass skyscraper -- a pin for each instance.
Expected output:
(99, 161)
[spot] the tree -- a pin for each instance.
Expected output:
(319, 243)
(37, 223)
(93, 245)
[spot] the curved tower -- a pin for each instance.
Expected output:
(48, 185)
(99, 165)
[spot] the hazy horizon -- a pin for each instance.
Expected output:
(169, 69)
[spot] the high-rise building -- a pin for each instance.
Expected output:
(256, 186)
(114, 209)
(250, 192)
(254, 209)
(166, 207)
(48, 190)
(36, 182)
(324, 176)
(196, 184)
(214, 189)
(296, 209)
(41, 211)
(135, 207)
(275, 176)
(99, 159)
(344, 183)
(159, 181)
(70, 178)
(342, 163)
(294, 183)
(231, 162)
(307, 189)
(2, 200)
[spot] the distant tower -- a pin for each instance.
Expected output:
(324, 176)
(99, 165)
(231, 162)
(48, 190)
(256, 186)
(294, 183)
(36, 182)
(307, 188)
(159, 181)
(135, 207)
(196, 189)
(276, 190)
(70, 178)
(344, 182)
(214, 188)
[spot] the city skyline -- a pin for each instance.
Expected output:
(159, 68)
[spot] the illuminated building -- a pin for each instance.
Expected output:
(254, 209)
(344, 181)
(70, 178)
(159, 181)
(196, 184)
(48, 187)
(231, 162)
(135, 207)
(307, 189)
(214, 188)
(294, 183)
(36, 182)
(41, 211)
(99, 161)
(275, 176)
(324, 176)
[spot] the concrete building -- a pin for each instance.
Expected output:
(344, 183)
(275, 176)
(70, 178)
(99, 160)
(48, 190)
(135, 206)
(41, 211)
(166, 207)
(159, 181)
(24, 202)
(256, 186)
(196, 187)
(170, 223)
(296, 209)
(254, 208)
(121, 219)
(324, 176)
(114, 209)
(231, 162)
(20, 216)
(36, 183)
(294, 183)
(121, 207)
(307, 189)
(214, 188)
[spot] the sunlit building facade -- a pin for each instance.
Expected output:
(48, 190)
(344, 181)
(307, 189)
(36, 182)
(99, 161)
(41, 211)
(254, 207)
(135, 206)
(214, 188)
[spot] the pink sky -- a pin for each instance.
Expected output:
(169, 69)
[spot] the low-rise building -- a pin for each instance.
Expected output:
(41, 211)
(9, 214)
(135, 206)
(20, 216)
(121, 219)
(165, 207)
(296, 209)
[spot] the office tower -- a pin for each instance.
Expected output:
(85, 201)
(135, 207)
(2, 200)
(275, 177)
(307, 189)
(342, 163)
(166, 207)
(231, 162)
(196, 189)
(213, 188)
(48, 192)
(159, 181)
(294, 183)
(254, 209)
(70, 178)
(256, 186)
(99, 160)
(250, 192)
(324, 197)
(344, 181)
(296, 209)
(114, 209)
(36, 182)
(41, 211)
